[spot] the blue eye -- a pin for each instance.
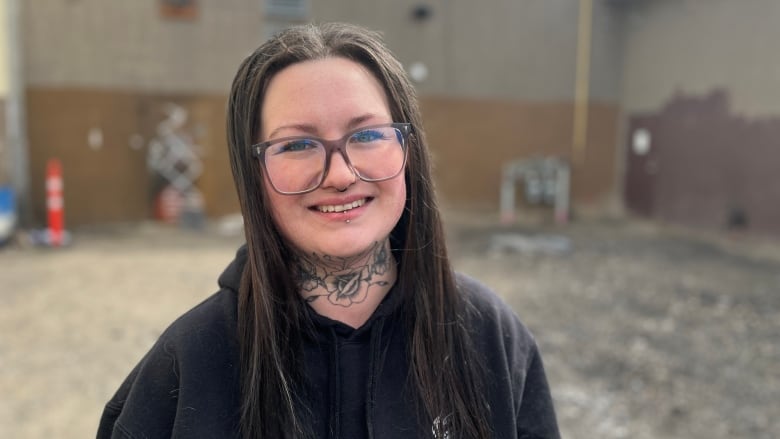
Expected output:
(295, 146)
(367, 136)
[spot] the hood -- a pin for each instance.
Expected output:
(231, 276)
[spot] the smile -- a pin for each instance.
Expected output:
(342, 207)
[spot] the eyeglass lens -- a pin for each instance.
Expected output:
(298, 164)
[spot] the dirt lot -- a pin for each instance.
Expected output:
(646, 331)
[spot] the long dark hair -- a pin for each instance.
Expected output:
(443, 366)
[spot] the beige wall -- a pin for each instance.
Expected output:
(4, 52)
(129, 45)
(494, 66)
(501, 70)
(495, 49)
(695, 46)
(113, 66)
(502, 84)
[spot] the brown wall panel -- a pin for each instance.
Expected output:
(206, 127)
(112, 183)
(217, 180)
(472, 139)
(712, 167)
(103, 184)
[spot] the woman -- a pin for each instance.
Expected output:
(341, 316)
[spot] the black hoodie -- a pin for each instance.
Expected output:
(187, 385)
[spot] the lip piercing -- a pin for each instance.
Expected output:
(347, 221)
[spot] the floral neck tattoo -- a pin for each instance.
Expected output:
(344, 281)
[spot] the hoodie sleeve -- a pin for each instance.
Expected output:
(114, 407)
(187, 385)
(536, 414)
(517, 389)
(147, 399)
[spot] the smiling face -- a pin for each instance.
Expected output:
(328, 98)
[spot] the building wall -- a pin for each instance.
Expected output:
(114, 67)
(702, 79)
(5, 153)
(501, 86)
(472, 139)
(5, 156)
(493, 49)
(130, 45)
(712, 168)
(110, 182)
(692, 47)
(493, 66)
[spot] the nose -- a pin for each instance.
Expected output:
(340, 174)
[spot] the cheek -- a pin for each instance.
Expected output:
(397, 190)
(279, 206)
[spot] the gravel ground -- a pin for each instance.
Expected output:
(646, 331)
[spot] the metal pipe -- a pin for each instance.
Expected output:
(16, 134)
(582, 82)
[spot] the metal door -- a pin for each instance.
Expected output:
(642, 165)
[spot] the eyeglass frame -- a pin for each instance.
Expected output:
(258, 151)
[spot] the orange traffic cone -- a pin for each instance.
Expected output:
(55, 203)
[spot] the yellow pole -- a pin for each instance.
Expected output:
(581, 91)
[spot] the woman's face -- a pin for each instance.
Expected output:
(329, 98)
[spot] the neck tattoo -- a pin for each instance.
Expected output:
(344, 281)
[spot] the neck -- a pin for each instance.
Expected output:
(347, 289)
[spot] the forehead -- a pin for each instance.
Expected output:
(325, 94)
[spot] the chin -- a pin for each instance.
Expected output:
(349, 247)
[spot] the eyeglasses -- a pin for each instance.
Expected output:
(299, 164)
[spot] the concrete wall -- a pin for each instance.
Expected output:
(493, 49)
(695, 46)
(501, 80)
(113, 67)
(501, 86)
(703, 75)
(5, 156)
(129, 45)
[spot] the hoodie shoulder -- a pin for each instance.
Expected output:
(188, 381)
(489, 311)
(511, 356)
(231, 276)
(503, 340)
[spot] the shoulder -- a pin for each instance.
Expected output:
(510, 357)
(215, 316)
(204, 334)
(201, 340)
(486, 307)
(493, 323)
(189, 377)
(479, 295)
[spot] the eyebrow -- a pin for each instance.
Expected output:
(307, 128)
(312, 129)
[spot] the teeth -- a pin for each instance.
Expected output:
(342, 207)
